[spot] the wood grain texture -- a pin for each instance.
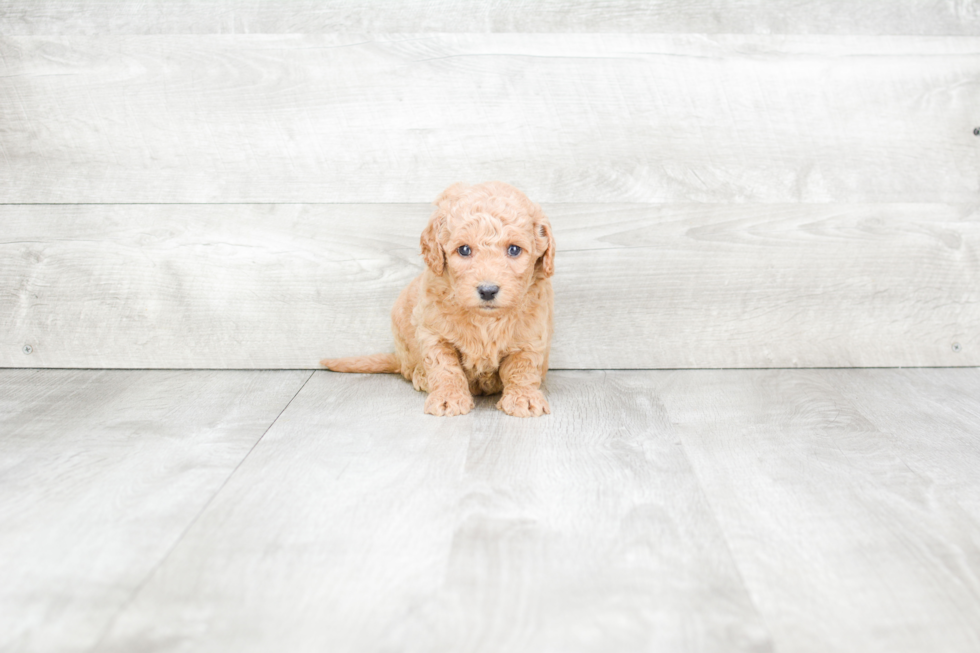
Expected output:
(100, 474)
(566, 117)
(849, 499)
(637, 286)
(358, 523)
(788, 510)
(39, 17)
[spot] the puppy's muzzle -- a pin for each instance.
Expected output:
(487, 291)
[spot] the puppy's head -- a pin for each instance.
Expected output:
(490, 242)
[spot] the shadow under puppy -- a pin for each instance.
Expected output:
(478, 320)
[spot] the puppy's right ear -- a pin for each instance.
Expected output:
(432, 252)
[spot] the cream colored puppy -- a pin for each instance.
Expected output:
(478, 319)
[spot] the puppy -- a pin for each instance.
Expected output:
(478, 320)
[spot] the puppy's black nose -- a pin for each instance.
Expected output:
(487, 292)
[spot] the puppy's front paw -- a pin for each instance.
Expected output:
(526, 402)
(448, 403)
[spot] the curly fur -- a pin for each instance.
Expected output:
(450, 341)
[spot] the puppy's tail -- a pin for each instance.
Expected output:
(373, 364)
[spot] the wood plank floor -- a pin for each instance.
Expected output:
(101, 472)
(784, 510)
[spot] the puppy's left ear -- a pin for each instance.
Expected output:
(544, 242)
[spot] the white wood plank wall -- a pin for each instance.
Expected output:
(902, 17)
(732, 184)
(567, 117)
(266, 286)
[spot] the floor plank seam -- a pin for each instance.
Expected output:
(139, 588)
(713, 511)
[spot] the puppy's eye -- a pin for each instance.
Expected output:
(513, 250)
(464, 250)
